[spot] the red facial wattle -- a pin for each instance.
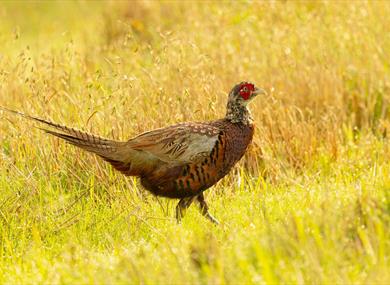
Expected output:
(246, 90)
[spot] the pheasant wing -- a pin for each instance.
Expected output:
(179, 144)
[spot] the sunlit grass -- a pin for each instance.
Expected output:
(309, 203)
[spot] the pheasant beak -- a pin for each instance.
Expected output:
(258, 91)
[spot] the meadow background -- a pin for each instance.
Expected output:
(309, 203)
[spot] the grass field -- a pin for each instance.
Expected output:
(308, 204)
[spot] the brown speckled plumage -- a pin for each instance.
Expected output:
(179, 161)
(191, 179)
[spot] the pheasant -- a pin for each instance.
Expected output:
(179, 161)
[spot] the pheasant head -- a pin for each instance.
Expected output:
(239, 97)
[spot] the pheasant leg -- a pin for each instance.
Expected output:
(182, 206)
(204, 209)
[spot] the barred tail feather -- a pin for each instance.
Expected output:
(98, 145)
(122, 157)
(111, 151)
(62, 128)
(91, 143)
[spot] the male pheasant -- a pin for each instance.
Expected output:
(179, 161)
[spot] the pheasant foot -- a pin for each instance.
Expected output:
(204, 209)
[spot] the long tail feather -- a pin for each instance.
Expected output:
(98, 145)
(62, 128)
(119, 154)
